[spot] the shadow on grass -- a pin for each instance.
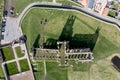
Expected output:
(36, 43)
(78, 40)
(84, 40)
(50, 43)
(3, 56)
(67, 31)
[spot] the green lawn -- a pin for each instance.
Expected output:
(12, 68)
(39, 74)
(104, 45)
(21, 4)
(1, 72)
(54, 72)
(24, 65)
(8, 53)
(18, 51)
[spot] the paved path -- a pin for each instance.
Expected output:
(16, 59)
(45, 71)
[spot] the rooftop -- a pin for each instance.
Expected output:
(99, 5)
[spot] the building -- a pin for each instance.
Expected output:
(99, 6)
(90, 4)
(83, 2)
(64, 54)
(105, 11)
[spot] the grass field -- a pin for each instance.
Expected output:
(39, 75)
(1, 72)
(12, 68)
(8, 53)
(24, 65)
(21, 4)
(18, 51)
(106, 44)
(54, 72)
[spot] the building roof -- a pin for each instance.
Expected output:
(83, 2)
(99, 5)
(105, 11)
(91, 3)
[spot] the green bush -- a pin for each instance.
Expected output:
(112, 14)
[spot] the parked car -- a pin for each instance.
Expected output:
(3, 20)
(3, 29)
(3, 24)
(11, 11)
(5, 13)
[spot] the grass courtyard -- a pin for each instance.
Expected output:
(1, 72)
(19, 52)
(24, 65)
(8, 53)
(12, 68)
(106, 44)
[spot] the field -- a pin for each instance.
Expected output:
(12, 68)
(19, 53)
(1, 72)
(53, 72)
(8, 53)
(24, 65)
(40, 73)
(104, 45)
(21, 4)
